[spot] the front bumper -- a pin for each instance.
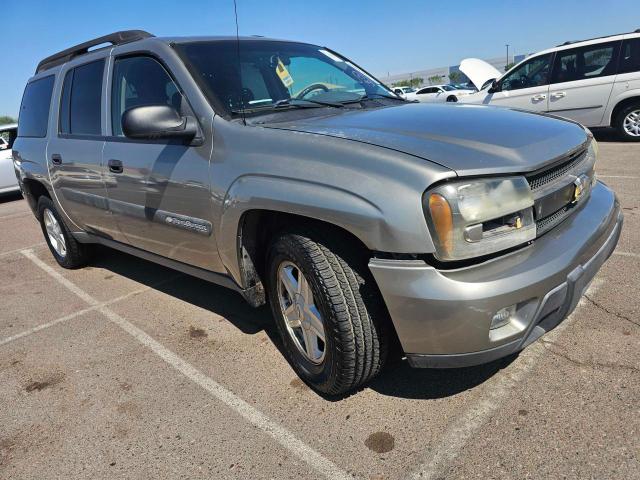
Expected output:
(442, 317)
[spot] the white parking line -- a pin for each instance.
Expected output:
(19, 250)
(71, 316)
(617, 176)
(16, 215)
(627, 254)
(455, 438)
(283, 436)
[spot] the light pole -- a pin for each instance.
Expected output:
(507, 45)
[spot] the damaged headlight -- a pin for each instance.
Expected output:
(481, 216)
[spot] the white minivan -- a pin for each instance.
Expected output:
(595, 82)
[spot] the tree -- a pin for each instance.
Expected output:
(414, 82)
(455, 76)
(435, 79)
(508, 66)
(5, 119)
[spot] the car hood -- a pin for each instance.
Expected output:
(479, 71)
(469, 139)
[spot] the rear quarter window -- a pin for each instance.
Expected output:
(81, 101)
(630, 56)
(34, 110)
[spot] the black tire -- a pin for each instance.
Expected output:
(618, 123)
(452, 99)
(354, 317)
(77, 254)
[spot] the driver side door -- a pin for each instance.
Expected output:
(526, 87)
(158, 190)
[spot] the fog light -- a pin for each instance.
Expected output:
(502, 317)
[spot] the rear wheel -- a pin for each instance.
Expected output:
(327, 310)
(627, 123)
(68, 252)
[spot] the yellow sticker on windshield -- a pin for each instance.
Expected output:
(283, 73)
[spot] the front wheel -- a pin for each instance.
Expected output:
(327, 311)
(452, 99)
(627, 123)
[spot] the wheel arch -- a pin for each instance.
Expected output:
(294, 200)
(32, 190)
(622, 104)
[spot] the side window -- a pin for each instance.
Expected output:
(630, 56)
(533, 73)
(137, 82)
(586, 62)
(81, 101)
(34, 110)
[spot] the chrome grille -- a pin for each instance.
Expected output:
(548, 175)
(547, 223)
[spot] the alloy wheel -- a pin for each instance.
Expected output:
(302, 318)
(631, 123)
(54, 232)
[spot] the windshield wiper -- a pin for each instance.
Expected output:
(304, 103)
(289, 103)
(371, 96)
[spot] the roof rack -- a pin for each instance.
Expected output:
(116, 38)
(594, 38)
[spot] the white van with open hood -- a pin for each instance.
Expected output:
(595, 82)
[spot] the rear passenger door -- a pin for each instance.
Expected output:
(75, 150)
(158, 190)
(582, 81)
(426, 95)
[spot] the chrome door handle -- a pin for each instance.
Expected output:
(537, 98)
(559, 94)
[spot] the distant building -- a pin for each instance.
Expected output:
(443, 72)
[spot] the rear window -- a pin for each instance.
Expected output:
(630, 57)
(34, 110)
(80, 108)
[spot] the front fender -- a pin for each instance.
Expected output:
(375, 225)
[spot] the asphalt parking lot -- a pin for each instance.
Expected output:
(127, 369)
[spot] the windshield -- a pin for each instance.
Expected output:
(408, 90)
(274, 74)
(447, 88)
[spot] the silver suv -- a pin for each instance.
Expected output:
(456, 233)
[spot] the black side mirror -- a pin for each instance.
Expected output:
(158, 121)
(495, 87)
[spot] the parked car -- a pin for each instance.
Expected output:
(462, 231)
(8, 181)
(438, 94)
(595, 82)
(465, 86)
(404, 92)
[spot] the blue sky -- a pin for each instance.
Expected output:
(382, 36)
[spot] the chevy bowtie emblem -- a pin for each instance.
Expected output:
(578, 190)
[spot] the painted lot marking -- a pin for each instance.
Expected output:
(283, 436)
(627, 254)
(19, 250)
(79, 313)
(617, 176)
(467, 424)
